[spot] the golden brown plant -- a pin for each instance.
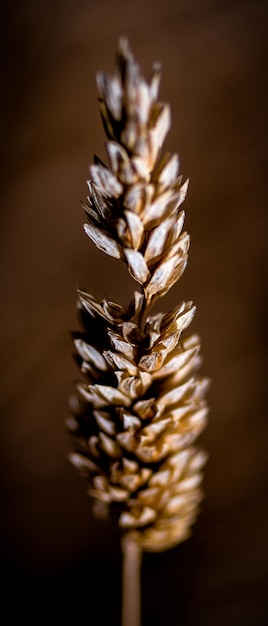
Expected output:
(141, 406)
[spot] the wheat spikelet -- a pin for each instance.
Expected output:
(141, 406)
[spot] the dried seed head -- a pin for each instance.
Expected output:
(141, 406)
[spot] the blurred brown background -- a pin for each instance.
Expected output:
(214, 56)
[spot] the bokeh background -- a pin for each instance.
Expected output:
(56, 559)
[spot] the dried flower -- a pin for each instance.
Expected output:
(141, 406)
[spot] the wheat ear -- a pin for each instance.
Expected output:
(141, 406)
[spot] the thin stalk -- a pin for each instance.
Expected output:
(131, 602)
(141, 319)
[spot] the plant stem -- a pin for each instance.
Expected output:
(131, 604)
